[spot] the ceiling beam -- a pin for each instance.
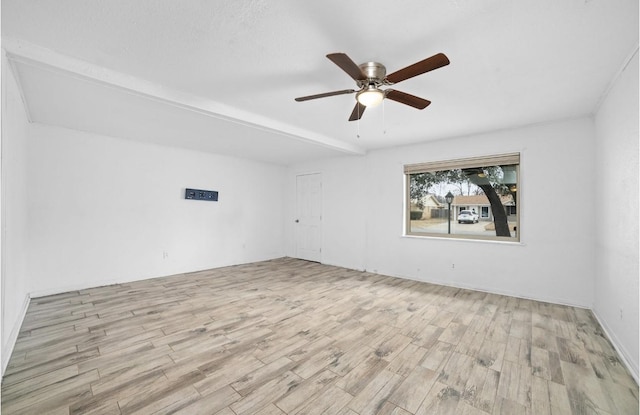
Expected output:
(43, 58)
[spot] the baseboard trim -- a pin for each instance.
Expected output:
(622, 352)
(453, 284)
(75, 287)
(7, 349)
(126, 280)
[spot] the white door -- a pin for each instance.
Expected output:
(308, 221)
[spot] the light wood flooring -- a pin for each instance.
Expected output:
(293, 337)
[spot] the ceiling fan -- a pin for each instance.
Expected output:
(370, 76)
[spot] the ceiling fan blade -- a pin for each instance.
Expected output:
(326, 94)
(407, 99)
(346, 64)
(436, 61)
(356, 114)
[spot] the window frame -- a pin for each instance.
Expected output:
(465, 163)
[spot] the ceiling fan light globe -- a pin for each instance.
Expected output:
(370, 97)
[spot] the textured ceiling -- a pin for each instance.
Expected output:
(221, 76)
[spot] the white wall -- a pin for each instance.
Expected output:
(83, 210)
(104, 210)
(555, 261)
(14, 212)
(616, 283)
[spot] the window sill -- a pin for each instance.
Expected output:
(482, 241)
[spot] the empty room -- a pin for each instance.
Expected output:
(331, 207)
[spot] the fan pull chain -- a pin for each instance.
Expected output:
(358, 122)
(384, 121)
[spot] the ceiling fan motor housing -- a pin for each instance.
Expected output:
(375, 73)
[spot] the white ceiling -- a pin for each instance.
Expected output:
(221, 76)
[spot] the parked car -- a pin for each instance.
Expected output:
(467, 216)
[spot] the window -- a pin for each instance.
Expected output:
(474, 198)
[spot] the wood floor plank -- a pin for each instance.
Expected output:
(437, 356)
(131, 403)
(327, 358)
(572, 351)
(505, 406)
(225, 372)
(133, 373)
(470, 342)
(375, 394)
(352, 358)
(621, 398)
(267, 392)
(541, 398)
(388, 408)
(543, 339)
(490, 354)
(486, 398)
(412, 391)
(119, 391)
(404, 363)
(558, 398)
(294, 337)
(555, 368)
(171, 403)
(212, 403)
(453, 333)
(429, 336)
(586, 394)
(51, 396)
(391, 346)
(331, 401)
(358, 378)
(284, 346)
(15, 390)
(509, 380)
(466, 409)
(253, 380)
(473, 388)
(307, 389)
(30, 372)
(113, 361)
(441, 400)
(270, 409)
(456, 371)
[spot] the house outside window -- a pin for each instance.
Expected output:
(486, 194)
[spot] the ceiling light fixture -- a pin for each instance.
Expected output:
(370, 97)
